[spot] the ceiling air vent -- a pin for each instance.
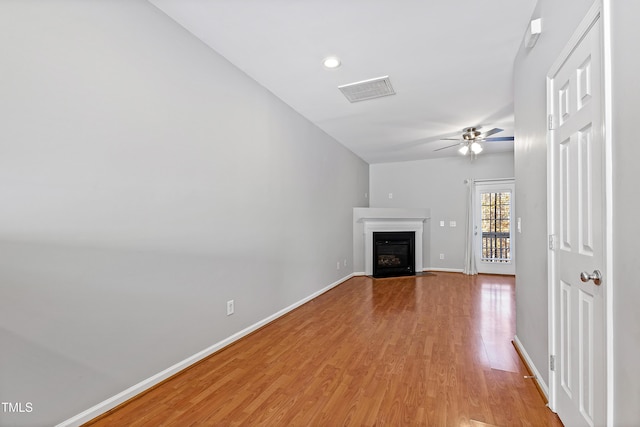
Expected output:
(368, 89)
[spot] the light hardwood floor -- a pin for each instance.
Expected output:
(432, 350)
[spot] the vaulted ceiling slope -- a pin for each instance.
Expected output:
(450, 63)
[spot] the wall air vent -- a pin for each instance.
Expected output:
(368, 89)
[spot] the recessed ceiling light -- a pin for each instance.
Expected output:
(331, 62)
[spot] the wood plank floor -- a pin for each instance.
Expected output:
(432, 350)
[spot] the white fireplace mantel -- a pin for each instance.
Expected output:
(390, 219)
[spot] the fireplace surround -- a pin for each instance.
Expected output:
(370, 220)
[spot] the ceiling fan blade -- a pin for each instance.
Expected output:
(448, 146)
(499, 138)
(450, 139)
(490, 132)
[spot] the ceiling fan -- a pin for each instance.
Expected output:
(471, 139)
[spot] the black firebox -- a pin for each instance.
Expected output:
(393, 253)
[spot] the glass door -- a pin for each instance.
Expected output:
(493, 237)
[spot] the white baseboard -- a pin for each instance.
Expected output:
(534, 370)
(445, 270)
(136, 389)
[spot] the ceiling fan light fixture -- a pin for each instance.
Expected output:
(471, 140)
(476, 147)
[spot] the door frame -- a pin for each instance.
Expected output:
(497, 185)
(600, 9)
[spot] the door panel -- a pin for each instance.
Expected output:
(565, 193)
(585, 191)
(566, 345)
(585, 352)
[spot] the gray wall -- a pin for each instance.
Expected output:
(559, 20)
(626, 152)
(437, 184)
(531, 66)
(145, 181)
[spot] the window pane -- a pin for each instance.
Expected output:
(495, 224)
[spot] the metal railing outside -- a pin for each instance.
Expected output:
(496, 247)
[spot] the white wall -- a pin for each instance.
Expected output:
(437, 184)
(145, 182)
(560, 18)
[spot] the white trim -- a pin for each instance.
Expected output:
(445, 270)
(551, 304)
(583, 28)
(608, 182)
(427, 270)
(498, 180)
(424, 270)
(136, 389)
(551, 206)
(532, 366)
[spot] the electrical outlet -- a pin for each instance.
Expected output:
(452, 224)
(391, 195)
(338, 266)
(230, 308)
(441, 256)
(345, 262)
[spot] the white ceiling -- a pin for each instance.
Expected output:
(449, 61)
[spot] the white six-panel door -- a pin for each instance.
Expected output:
(577, 244)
